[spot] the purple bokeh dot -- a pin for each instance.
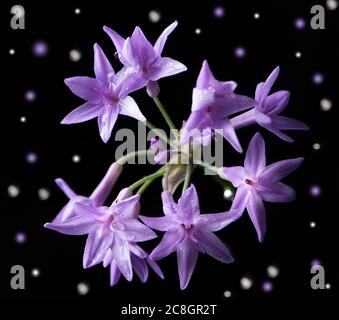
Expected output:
(240, 52)
(31, 157)
(299, 23)
(20, 237)
(267, 286)
(317, 78)
(315, 191)
(219, 11)
(40, 48)
(315, 262)
(30, 95)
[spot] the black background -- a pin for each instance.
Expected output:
(271, 40)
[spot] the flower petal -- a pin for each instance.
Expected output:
(258, 91)
(129, 107)
(285, 123)
(128, 80)
(236, 175)
(278, 192)
(188, 206)
(86, 88)
(67, 190)
(277, 102)
(98, 243)
(133, 230)
(164, 223)
(102, 66)
(168, 204)
(122, 257)
(187, 256)
(241, 198)
(115, 37)
(279, 170)
(168, 244)
(85, 112)
(278, 133)
(257, 213)
(106, 120)
(102, 191)
(267, 86)
(255, 159)
(216, 221)
(160, 43)
(126, 208)
(140, 268)
(213, 246)
(155, 267)
(115, 274)
(165, 67)
(74, 226)
(229, 134)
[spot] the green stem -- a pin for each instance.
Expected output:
(206, 166)
(134, 154)
(152, 176)
(164, 113)
(145, 186)
(187, 178)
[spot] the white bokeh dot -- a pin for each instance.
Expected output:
(83, 288)
(35, 272)
(75, 55)
(13, 191)
(76, 158)
(227, 294)
(43, 194)
(11, 51)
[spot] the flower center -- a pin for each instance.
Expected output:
(186, 226)
(210, 108)
(249, 182)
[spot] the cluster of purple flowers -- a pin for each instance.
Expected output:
(114, 232)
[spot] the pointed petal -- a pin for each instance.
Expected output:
(243, 120)
(115, 274)
(258, 91)
(165, 67)
(133, 230)
(164, 223)
(279, 170)
(230, 135)
(102, 66)
(74, 226)
(115, 37)
(257, 213)
(168, 204)
(102, 191)
(213, 246)
(155, 267)
(168, 244)
(63, 185)
(106, 120)
(127, 80)
(278, 192)
(126, 208)
(277, 102)
(241, 199)
(85, 112)
(187, 255)
(122, 257)
(129, 107)
(86, 88)
(236, 175)
(216, 221)
(285, 123)
(267, 86)
(98, 243)
(90, 212)
(140, 268)
(188, 206)
(144, 48)
(160, 43)
(261, 118)
(108, 258)
(278, 133)
(255, 159)
(137, 251)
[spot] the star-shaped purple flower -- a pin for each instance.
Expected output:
(212, 103)
(267, 110)
(187, 232)
(106, 95)
(138, 53)
(113, 232)
(256, 182)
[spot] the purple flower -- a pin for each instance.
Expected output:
(188, 232)
(106, 95)
(267, 110)
(213, 102)
(97, 198)
(113, 234)
(145, 59)
(256, 182)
